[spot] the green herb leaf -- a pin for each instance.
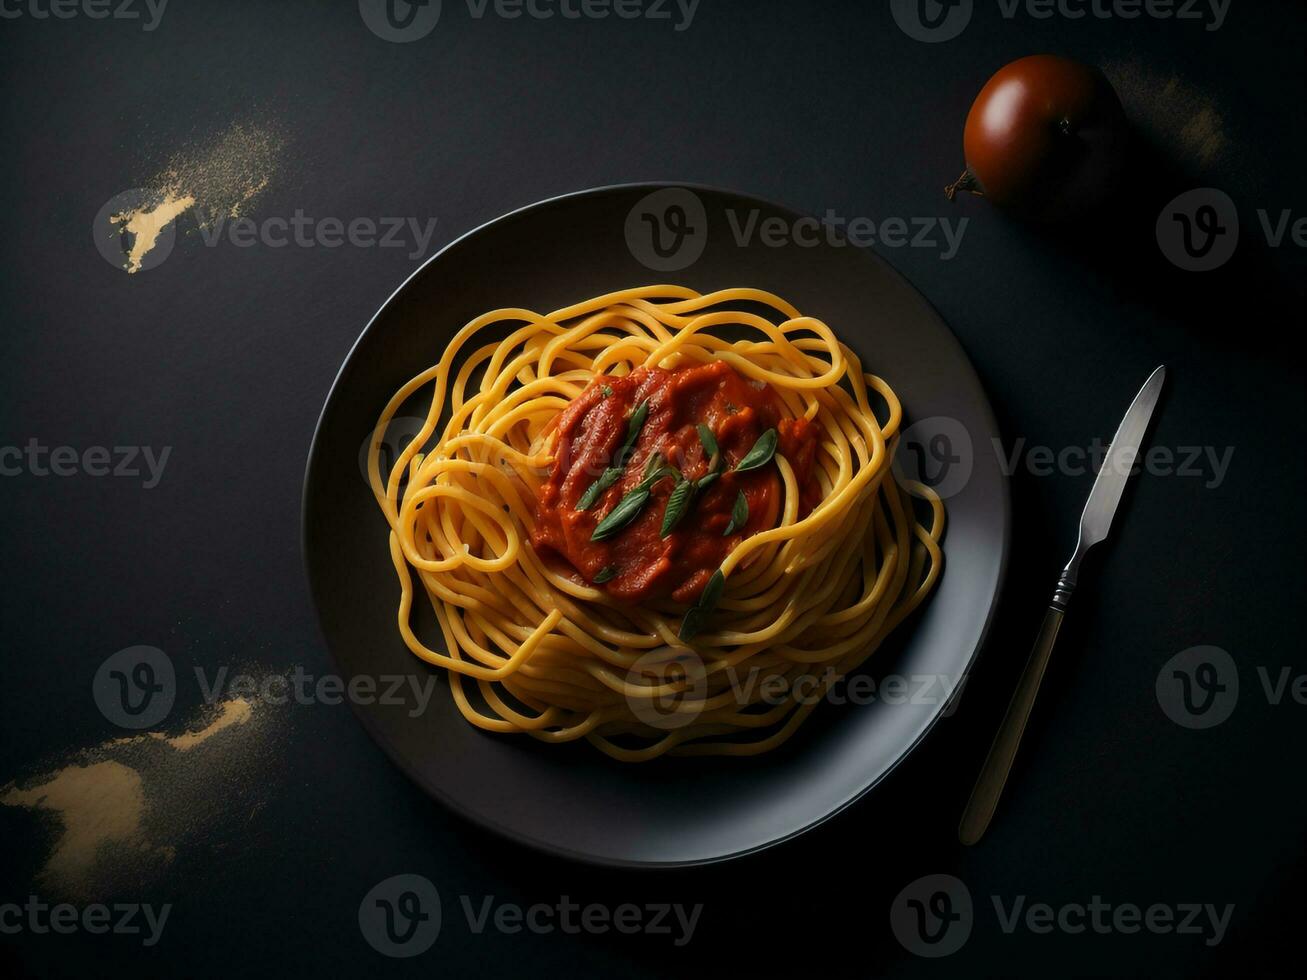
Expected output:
(692, 623)
(623, 514)
(605, 574)
(633, 426)
(707, 480)
(739, 515)
(678, 504)
(760, 455)
(653, 477)
(696, 616)
(712, 592)
(608, 392)
(614, 472)
(707, 440)
(596, 489)
(654, 462)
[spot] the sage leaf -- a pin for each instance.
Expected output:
(707, 440)
(691, 624)
(712, 592)
(623, 514)
(613, 473)
(652, 475)
(633, 426)
(596, 489)
(739, 515)
(605, 574)
(760, 455)
(678, 504)
(697, 615)
(654, 462)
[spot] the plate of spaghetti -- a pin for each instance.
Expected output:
(663, 540)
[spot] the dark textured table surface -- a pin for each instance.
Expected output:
(263, 839)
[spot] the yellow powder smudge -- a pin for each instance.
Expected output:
(104, 805)
(1203, 134)
(217, 178)
(226, 172)
(248, 194)
(99, 804)
(1180, 117)
(146, 223)
(234, 712)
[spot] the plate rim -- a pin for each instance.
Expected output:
(543, 846)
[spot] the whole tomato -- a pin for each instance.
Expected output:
(1045, 138)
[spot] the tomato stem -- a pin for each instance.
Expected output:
(967, 182)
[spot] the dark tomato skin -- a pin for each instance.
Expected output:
(592, 429)
(1047, 138)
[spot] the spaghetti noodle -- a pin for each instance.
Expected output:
(539, 639)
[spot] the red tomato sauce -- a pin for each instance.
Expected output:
(591, 432)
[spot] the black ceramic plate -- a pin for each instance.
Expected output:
(570, 799)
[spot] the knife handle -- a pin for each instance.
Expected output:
(993, 774)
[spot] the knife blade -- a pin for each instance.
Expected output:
(1101, 506)
(1095, 522)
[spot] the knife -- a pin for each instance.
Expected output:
(1094, 525)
